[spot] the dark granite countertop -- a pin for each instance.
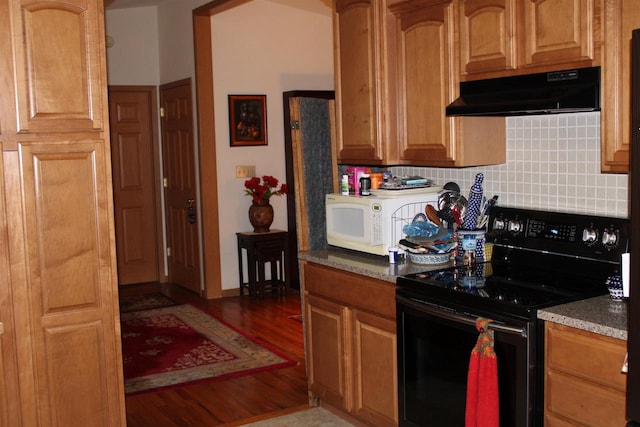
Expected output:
(374, 266)
(600, 315)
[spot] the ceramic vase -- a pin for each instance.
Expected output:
(261, 216)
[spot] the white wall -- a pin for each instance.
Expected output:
(134, 57)
(175, 34)
(292, 49)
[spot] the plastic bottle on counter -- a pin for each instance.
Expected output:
(344, 185)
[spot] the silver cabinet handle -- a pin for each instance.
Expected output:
(1, 328)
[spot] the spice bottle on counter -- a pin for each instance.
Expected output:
(344, 185)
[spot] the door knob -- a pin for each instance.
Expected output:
(191, 212)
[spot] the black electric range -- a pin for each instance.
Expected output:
(540, 259)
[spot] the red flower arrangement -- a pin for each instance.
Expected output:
(264, 189)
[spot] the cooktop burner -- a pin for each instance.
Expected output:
(540, 259)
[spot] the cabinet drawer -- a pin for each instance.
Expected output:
(583, 401)
(587, 355)
(350, 289)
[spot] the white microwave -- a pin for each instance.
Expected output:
(374, 223)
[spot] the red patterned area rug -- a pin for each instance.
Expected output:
(180, 344)
(144, 302)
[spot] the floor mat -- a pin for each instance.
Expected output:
(180, 344)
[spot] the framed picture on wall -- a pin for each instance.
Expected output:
(247, 120)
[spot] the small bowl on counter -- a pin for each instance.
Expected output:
(428, 258)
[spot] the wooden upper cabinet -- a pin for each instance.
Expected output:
(487, 35)
(359, 89)
(559, 32)
(506, 37)
(621, 17)
(425, 81)
(59, 75)
(428, 81)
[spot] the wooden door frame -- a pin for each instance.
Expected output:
(206, 143)
(152, 92)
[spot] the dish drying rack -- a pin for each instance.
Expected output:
(404, 215)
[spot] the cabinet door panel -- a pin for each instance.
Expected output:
(326, 324)
(602, 366)
(583, 390)
(583, 402)
(558, 31)
(69, 292)
(375, 369)
(487, 35)
(426, 83)
(9, 409)
(357, 49)
(621, 18)
(58, 76)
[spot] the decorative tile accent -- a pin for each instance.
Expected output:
(553, 163)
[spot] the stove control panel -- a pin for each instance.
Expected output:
(571, 234)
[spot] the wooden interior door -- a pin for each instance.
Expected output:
(181, 204)
(133, 112)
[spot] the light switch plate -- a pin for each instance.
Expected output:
(245, 171)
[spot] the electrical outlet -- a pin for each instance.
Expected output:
(245, 171)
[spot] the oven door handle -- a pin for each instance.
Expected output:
(461, 318)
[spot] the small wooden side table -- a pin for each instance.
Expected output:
(263, 248)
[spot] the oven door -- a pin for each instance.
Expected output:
(434, 349)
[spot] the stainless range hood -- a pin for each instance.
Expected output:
(568, 91)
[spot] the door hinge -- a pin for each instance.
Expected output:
(161, 111)
(165, 182)
(168, 252)
(295, 125)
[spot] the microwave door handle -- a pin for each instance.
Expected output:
(460, 318)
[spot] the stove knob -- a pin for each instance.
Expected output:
(589, 236)
(515, 226)
(498, 224)
(609, 239)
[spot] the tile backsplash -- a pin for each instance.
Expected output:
(553, 163)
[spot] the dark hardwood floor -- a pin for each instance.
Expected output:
(271, 320)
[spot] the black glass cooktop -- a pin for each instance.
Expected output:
(540, 259)
(489, 287)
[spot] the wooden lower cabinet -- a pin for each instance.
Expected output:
(351, 343)
(584, 385)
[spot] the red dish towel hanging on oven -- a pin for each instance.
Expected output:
(482, 408)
